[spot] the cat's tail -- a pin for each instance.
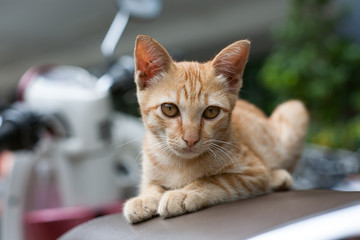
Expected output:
(290, 121)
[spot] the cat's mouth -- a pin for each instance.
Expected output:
(187, 152)
(184, 151)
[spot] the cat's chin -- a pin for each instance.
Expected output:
(187, 154)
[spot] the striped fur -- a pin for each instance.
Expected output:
(239, 154)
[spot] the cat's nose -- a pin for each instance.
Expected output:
(191, 141)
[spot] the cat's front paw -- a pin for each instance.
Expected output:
(140, 208)
(281, 180)
(178, 202)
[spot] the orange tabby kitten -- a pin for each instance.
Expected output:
(203, 146)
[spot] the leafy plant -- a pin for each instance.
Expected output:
(311, 62)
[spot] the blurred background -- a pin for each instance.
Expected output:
(67, 32)
(300, 49)
(303, 49)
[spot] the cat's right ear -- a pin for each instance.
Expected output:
(230, 63)
(151, 59)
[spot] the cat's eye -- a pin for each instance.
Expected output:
(169, 109)
(211, 112)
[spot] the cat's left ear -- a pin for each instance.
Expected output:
(230, 63)
(151, 59)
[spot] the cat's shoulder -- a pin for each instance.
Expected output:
(245, 107)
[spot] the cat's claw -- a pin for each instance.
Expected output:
(141, 208)
(179, 202)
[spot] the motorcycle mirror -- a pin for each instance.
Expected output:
(141, 9)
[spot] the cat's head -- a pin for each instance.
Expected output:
(187, 105)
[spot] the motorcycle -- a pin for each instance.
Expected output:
(73, 154)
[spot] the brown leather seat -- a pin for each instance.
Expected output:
(236, 220)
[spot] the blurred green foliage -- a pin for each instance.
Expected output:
(312, 62)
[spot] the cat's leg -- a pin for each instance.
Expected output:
(289, 121)
(214, 190)
(145, 205)
(281, 180)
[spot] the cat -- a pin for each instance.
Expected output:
(203, 146)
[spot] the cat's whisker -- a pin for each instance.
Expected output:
(164, 150)
(215, 165)
(159, 144)
(124, 144)
(218, 158)
(212, 151)
(225, 142)
(220, 161)
(228, 153)
(138, 160)
(223, 150)
(222, 155)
